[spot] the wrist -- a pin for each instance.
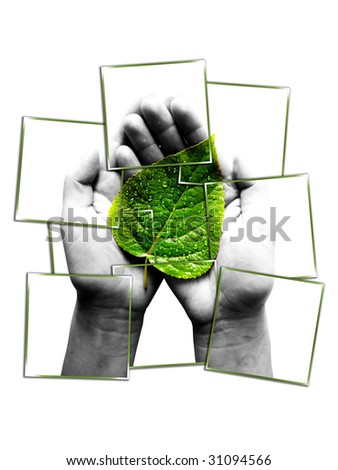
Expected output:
(241, 343)
(201, 333)
(99, 342)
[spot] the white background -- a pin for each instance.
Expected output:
(50, 57)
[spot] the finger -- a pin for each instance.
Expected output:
(187, 121)
(231, 192)
(233, 210)
(78, 191)
(118, 139)
(101, 205)
(107, 184)
(125, 156)
(162, 125)
(244, 169)
(143, 142)
(253, 193)
(86, 186)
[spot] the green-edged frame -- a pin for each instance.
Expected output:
(272, 379)
(26, 336)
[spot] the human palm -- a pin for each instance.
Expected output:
(88, 192)
(151, 130)
(241, 297)
(239, 291)
(174, 125)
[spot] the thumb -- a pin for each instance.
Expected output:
(254, 194)
(77, 190)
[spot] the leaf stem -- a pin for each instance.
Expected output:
(145, 274)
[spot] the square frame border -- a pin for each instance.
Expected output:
(148, 64)
(271, 379)
(295, 175)
(271, 87)
(26, 335)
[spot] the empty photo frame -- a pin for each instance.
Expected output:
(289, 326)
(282, 207)
(50, 303)
(250, 122)
(124, 86)
(49, 150)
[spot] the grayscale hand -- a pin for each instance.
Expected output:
(175, 126)
(101, 313)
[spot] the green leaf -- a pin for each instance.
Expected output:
(162, 213)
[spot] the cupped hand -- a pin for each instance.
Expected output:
(158, 128)
(150, 130)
